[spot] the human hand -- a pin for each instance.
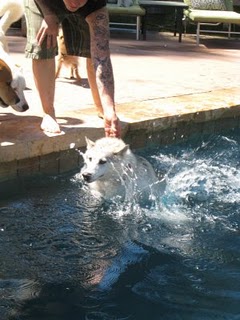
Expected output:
(49, 29)
(112, 127)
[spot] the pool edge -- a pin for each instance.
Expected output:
(158, 121)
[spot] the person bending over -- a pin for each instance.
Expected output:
(85, 25)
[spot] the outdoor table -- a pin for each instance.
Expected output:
(152, 7)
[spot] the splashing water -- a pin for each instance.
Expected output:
(67, 256)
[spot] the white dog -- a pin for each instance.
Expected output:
(112, 170)
(12, 82)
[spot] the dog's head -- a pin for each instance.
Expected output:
(11, 89)
(100, 157)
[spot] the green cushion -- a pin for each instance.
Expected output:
(134, 10)
(213, 16)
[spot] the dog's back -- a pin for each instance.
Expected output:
(10, 11)
(114, 171)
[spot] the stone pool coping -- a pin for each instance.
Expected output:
(162, 121)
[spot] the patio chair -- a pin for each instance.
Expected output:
(126, 8)
(211, 13)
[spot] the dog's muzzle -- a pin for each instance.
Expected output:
(20, 107)
(25, 107)
(87, 176)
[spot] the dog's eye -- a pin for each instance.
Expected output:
(102, 161)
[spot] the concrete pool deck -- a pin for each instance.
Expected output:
(161, 85)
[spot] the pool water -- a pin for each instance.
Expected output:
(65, 256)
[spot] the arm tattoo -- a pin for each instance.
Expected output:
(100, 53)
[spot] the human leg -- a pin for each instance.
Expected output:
(44, 77)
(77, 41)
(43, 66)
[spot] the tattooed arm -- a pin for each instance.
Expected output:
(98, 22)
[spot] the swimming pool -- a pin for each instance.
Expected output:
(65, 256)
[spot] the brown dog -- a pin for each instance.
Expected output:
(63, 59)
(11, 88)
(7, 95)
(12, 81)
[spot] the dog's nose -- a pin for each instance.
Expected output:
(25, 107)
(86, 176)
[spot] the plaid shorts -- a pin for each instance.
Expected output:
(74, 25)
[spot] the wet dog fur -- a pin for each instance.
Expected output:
(113, 171)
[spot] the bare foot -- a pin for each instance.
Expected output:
(112, 127)
(49, 124)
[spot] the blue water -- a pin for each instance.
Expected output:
(65, 256)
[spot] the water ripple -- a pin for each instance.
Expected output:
(65, 255)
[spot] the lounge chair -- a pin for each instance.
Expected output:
(211, 13)
(128, 8)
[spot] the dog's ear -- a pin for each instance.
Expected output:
(89, 143)
(5, 72)
(122, 151)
